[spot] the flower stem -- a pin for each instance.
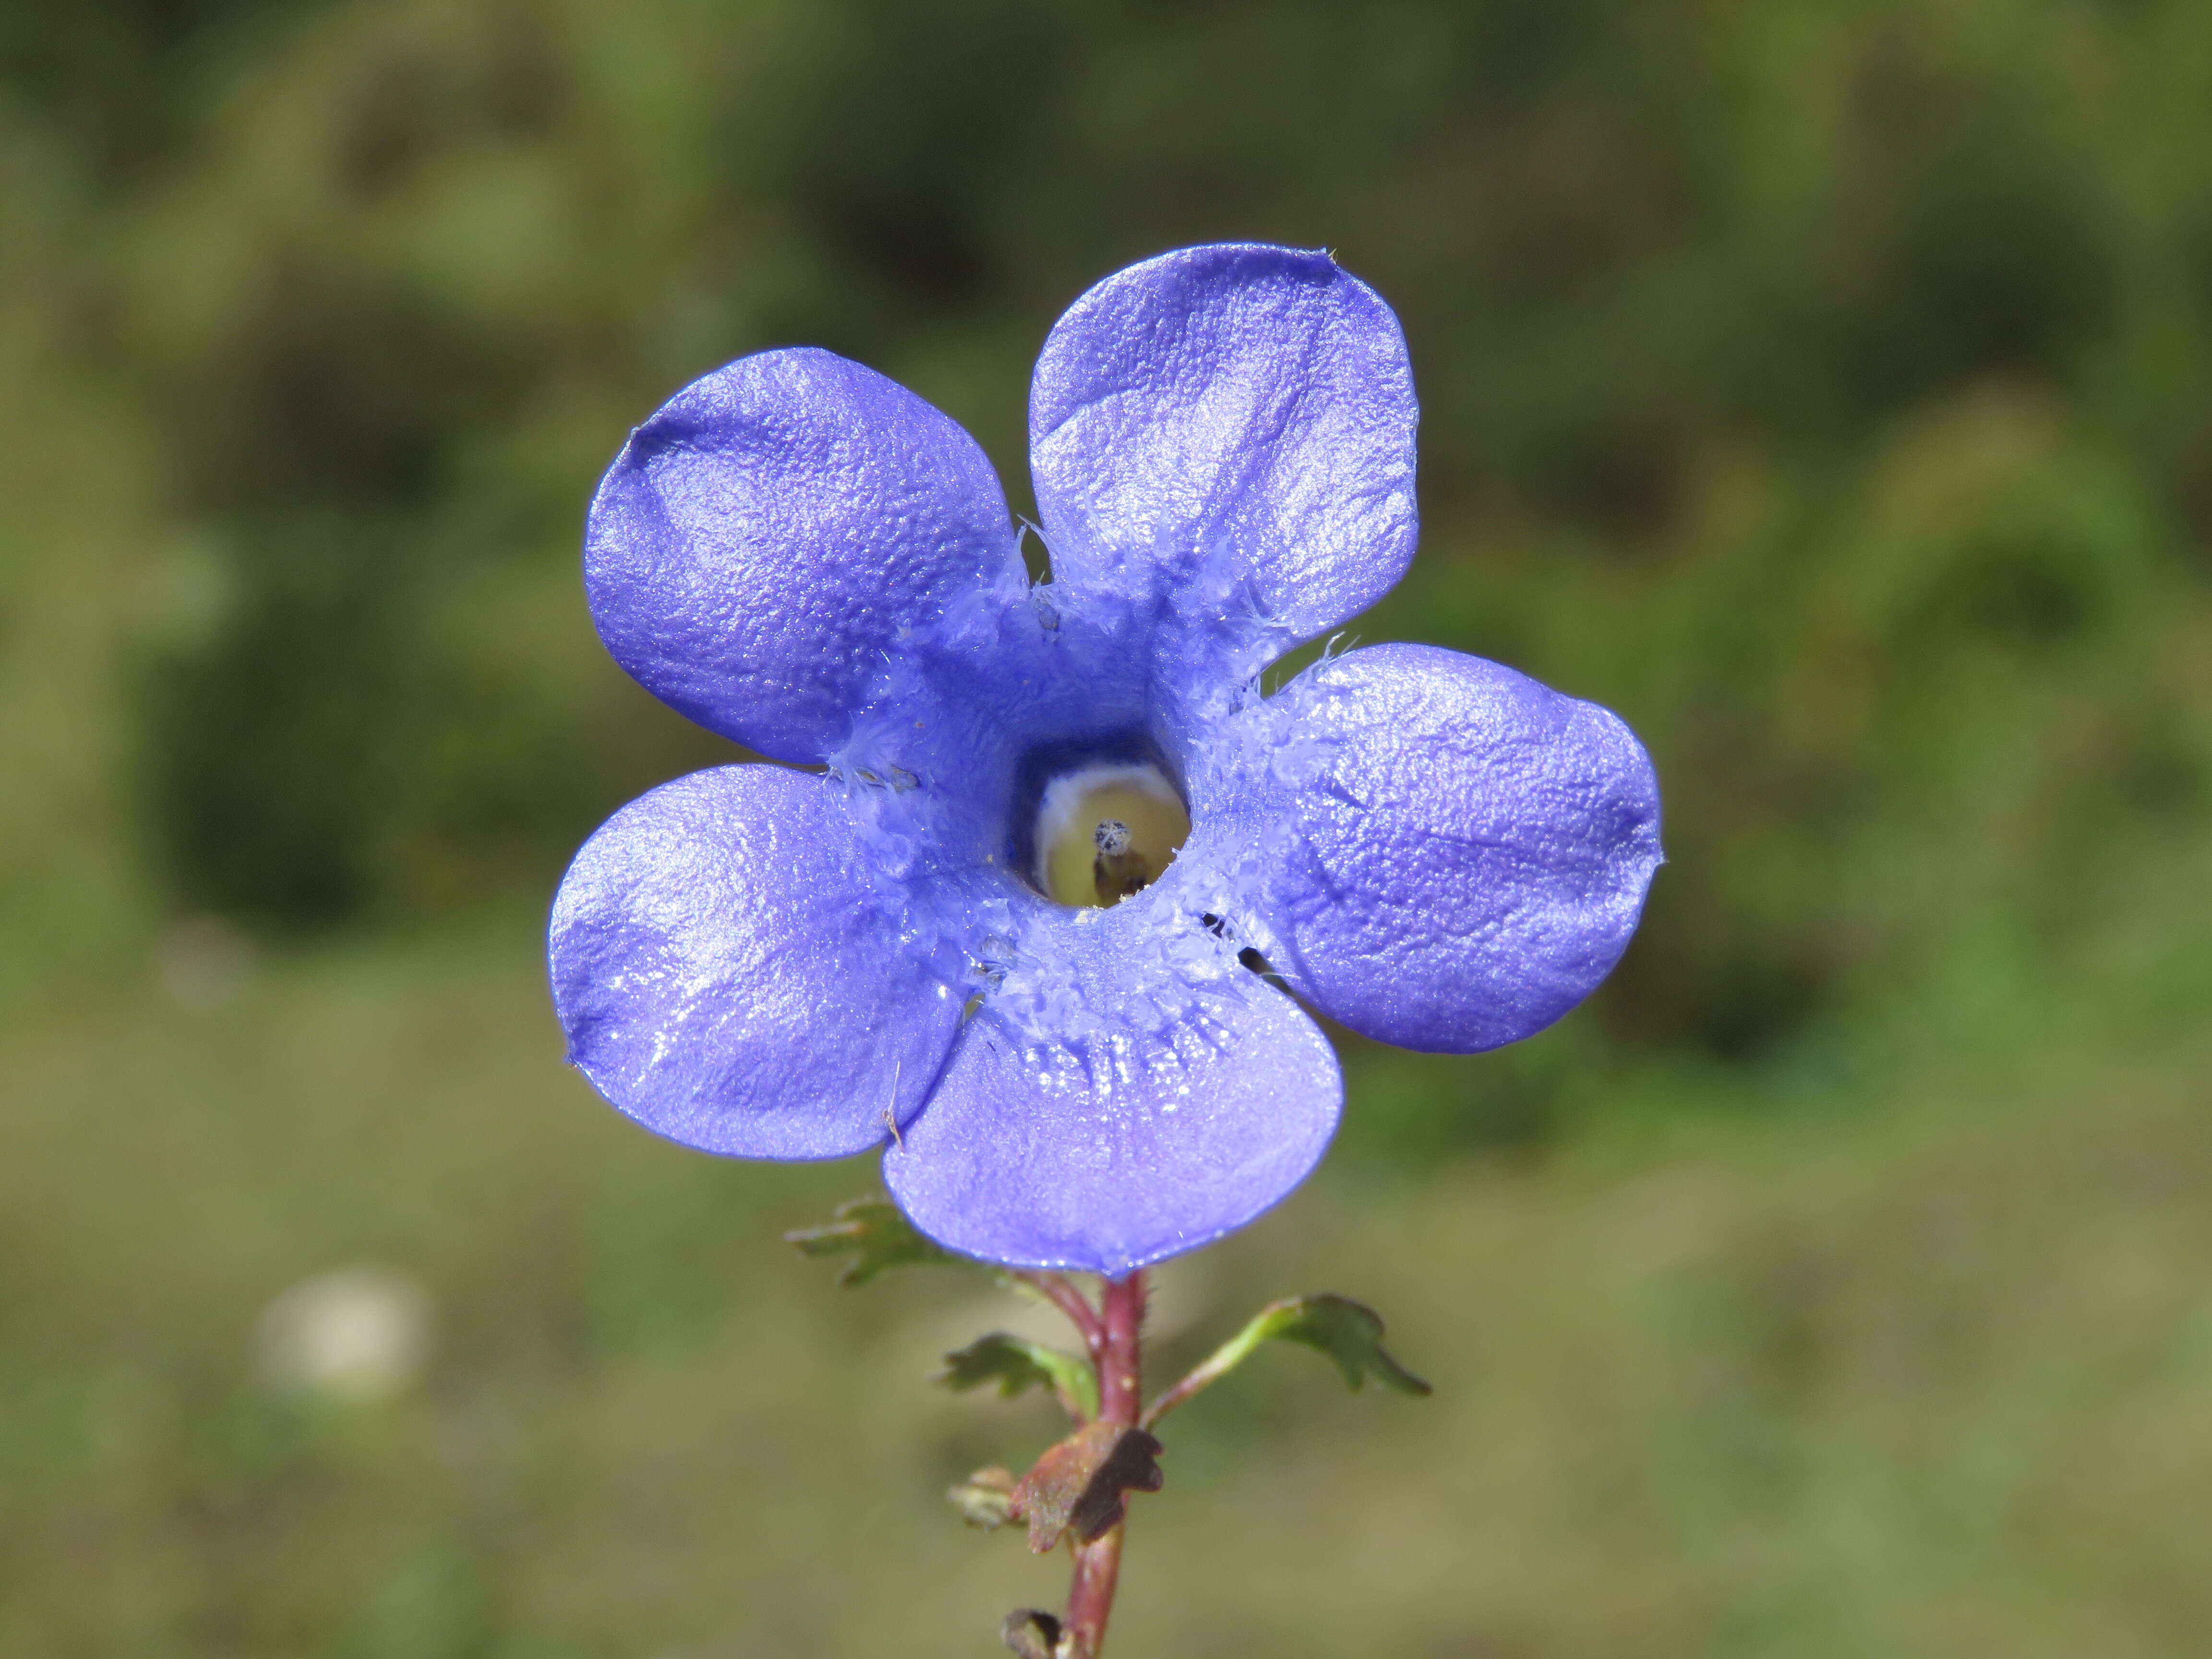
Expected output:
(1064, 1296)
(1217, 1365)
(1121, 1381)
(1121, 1384)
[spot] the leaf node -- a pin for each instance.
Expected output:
(1079, 1485)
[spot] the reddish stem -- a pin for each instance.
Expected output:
(1090, 1598)
(1063, 1295)
(1120, 1358)
(1121, 1381)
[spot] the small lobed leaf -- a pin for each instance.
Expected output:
(985, 1498)
(1015, 1364)
(1031, 1633)
(1348, 1331)
(1079, 1485)
(877, 1237)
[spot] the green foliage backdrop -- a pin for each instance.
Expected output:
(1829, 388)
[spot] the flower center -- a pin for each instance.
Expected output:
(1106, 831)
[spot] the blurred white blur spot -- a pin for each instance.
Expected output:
(186, 591)
(204, 962)
(358, 1335)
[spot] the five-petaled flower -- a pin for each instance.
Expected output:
(1015, 933)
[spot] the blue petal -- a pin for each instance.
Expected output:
(1120, 1137)
(1461, 854)
(1239, 406)
(729, 974)
(771, 530)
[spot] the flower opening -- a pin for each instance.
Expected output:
(1105, 831)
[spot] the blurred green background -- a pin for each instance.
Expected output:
(1827, 387)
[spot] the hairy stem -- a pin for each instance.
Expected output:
(1121, 1384)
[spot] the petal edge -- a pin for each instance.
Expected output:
(709, 949)
(769, 531)
(1131, 1143)
(1466, 854)
(1238, 404)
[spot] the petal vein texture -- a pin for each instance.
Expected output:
(1469, 856)
(1134, 1141)
(710, 947)
(1242, 404)
(763, 540)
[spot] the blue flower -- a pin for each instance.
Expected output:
(1013, 932)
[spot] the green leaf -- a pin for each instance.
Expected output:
(877, 1237)
(1348, 1331)
(1015, 1364)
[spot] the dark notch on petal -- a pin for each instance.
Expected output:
(1249, 956)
